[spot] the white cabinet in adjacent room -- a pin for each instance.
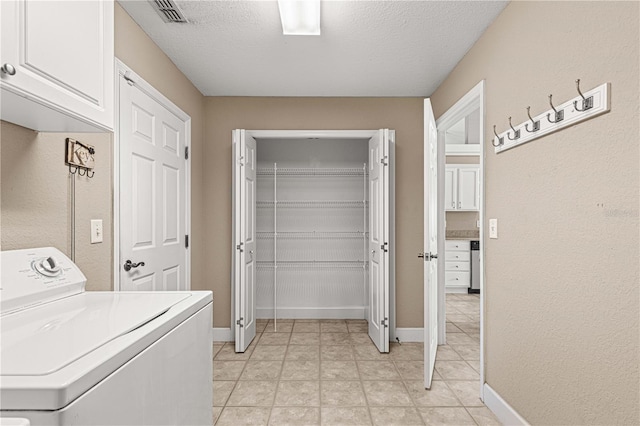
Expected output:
(56, 64)
(457, 266)
(462, 187)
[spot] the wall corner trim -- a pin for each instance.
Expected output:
(221, 334)
(501, 408)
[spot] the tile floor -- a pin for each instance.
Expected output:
(328, 372)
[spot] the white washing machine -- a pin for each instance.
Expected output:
(70, 357)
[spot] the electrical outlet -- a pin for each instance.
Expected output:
(96, 231)
(493, 228)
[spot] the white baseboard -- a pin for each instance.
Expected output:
(501, 408)
(410, 334)
(221, 334)
(312, 313)
(456, 290)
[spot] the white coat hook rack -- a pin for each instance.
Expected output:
(583, 107)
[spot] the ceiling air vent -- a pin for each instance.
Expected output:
(169, 11)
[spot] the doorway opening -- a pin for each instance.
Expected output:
(313, 232)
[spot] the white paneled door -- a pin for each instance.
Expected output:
(379, 266)
(152, 191)
(430, 243)
(244, 238)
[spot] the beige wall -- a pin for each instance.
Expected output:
(562, 280)
(140, 53)
(36, 201)
(402, 114)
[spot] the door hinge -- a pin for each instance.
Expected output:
(239, 322)
(385, 161)
(186, 241)
(385, 322)
(384, 247)
(128, 79)
(239, 247)
(186, 152)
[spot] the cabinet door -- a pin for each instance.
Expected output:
(62, 53)
(468, 188)
(450, 188)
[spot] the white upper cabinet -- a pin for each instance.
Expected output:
(462, 187)
(57, 65)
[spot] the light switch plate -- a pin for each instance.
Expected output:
(96, 231)
(493, 228)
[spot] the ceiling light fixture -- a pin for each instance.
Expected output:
(300, 17)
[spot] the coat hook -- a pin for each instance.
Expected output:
(535, 124)
(90, 175)
(75, 169)
(559, 115)
(516, 133)
(587, 103)
(82, 172)
(500, 140)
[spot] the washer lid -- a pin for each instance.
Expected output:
(44, 339)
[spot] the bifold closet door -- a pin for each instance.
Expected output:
(379, 240)
(244, 238)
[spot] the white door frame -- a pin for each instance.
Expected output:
(338, 134)
(123, 71)
(469, 102)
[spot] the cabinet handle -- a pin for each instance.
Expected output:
(8, 69)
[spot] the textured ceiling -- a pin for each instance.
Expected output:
(367, 48)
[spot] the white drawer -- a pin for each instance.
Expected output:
(457, 256)
(456, 266)
(462, 245)
(457, 278)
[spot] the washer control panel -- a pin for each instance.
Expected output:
(33, 276)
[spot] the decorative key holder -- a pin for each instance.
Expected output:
(79, 158)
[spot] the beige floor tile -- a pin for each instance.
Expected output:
(227, 370)
(468, 352)
(310, 321)
(407, 351)
(369, 352)
(306, 327)
(279, 327)
(392, 416)
(360, 338)
(438, 396)
(339, 370)
(335, 338)
(216, 348)
(456, 370)
(260, 326)
(447, 353)
(356, 327)
(441, 416)
(342, 393)
(300, 370)
(269, 352)
(475, 337)
(410, 370)
(333, 327)
(253, 394)
(306, 416)
(228, 353)
(303, 352)
(386, 393)
(298, 393)
(336, 353)
(469, 327)
(378, 370)
(216, 414)
(343, 416)
(475, 364)
(274, 339)
(455, 318)
(221, 391)
(460, 339)
(483, 416)
(305, 339)
(235, 416)
(468, 392)
(451, 328)
(261, 370)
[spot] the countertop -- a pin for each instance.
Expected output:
(462, 235)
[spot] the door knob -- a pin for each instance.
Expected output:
(128, 265)
(8, 69)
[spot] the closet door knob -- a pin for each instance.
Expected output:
(8, 69)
